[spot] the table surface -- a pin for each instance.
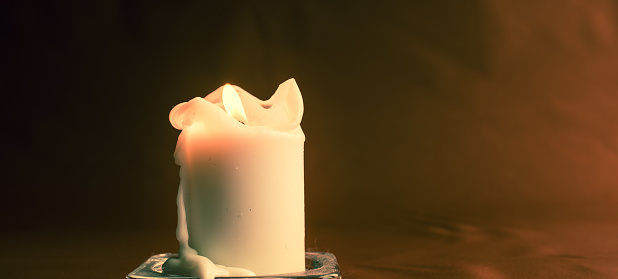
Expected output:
(420, 247)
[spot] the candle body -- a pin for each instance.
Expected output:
(241, 194)
(244, 198)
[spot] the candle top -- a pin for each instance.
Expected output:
(230, 106)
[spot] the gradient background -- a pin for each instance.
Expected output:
(448, 126)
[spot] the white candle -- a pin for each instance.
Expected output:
(241, 195)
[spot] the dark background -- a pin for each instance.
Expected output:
(422, 118)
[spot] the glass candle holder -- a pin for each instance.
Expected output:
(318, 265)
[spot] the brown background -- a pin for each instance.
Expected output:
(449, 138)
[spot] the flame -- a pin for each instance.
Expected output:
(233, 104)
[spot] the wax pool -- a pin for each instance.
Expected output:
(241, 194)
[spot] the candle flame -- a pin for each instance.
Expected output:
(233, 104)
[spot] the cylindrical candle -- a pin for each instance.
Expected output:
(242, 185)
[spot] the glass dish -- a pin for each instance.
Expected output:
(319, 265)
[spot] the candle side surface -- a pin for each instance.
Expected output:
(241, 195)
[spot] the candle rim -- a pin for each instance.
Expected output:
(286, 101)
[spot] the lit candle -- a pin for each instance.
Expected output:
(241, 194)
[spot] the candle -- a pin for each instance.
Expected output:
(241, 193)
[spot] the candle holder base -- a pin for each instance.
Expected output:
(319, 265)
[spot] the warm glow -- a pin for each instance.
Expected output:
(233, 104)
